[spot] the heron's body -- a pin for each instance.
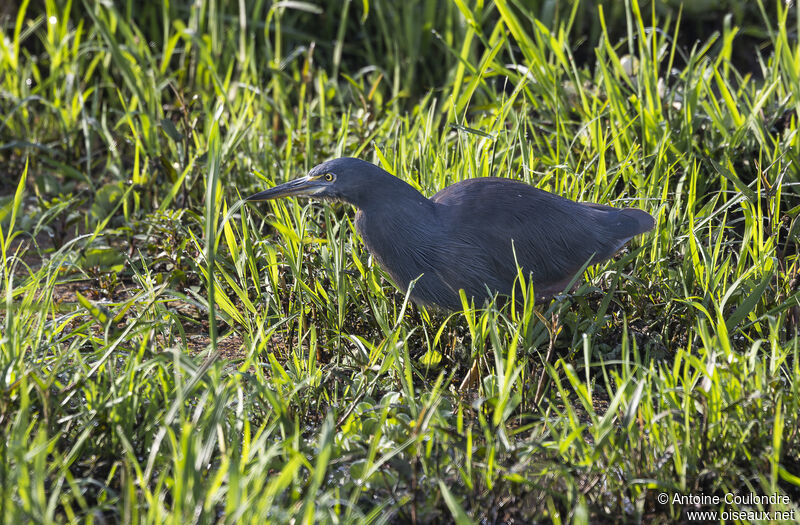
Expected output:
(472, 234)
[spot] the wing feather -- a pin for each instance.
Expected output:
(552, 237)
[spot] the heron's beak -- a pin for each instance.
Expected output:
(304, 186)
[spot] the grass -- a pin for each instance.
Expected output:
(168, 354)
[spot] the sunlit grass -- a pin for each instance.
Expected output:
(171, 354)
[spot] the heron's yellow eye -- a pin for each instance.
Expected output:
(329, 177)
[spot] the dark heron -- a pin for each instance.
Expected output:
(470, 235)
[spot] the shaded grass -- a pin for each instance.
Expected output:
(672, 368)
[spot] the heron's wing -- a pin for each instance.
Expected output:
(552, 237)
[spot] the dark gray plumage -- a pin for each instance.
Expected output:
(462, 237)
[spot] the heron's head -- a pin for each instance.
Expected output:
(346, 179)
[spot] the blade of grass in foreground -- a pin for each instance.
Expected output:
(212, 181)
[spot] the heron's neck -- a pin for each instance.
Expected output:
(393, 197)
(394, 217)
